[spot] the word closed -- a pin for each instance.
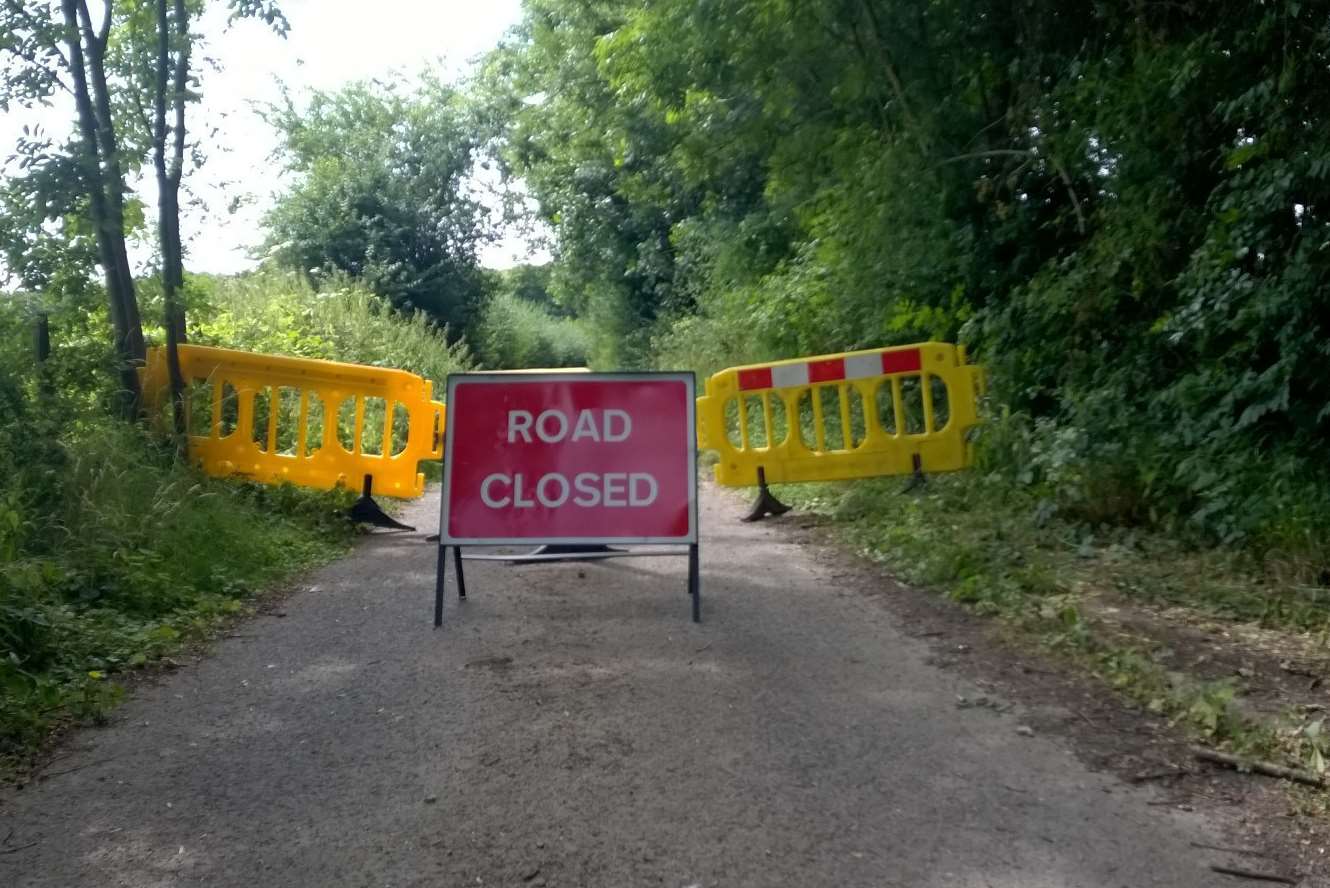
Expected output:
(558, 459)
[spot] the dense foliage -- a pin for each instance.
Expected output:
(1121, 207)
(379, 194)
(278, 313)
(522, 327)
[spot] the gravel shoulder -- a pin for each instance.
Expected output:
(569, 726)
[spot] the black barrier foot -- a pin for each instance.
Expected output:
(366, 511)
(766, 502)
(918, 480)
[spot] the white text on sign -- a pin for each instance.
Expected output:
(554, 490)
(551, 426)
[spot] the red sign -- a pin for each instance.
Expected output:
(570, 458)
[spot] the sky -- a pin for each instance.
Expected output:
(331, 42)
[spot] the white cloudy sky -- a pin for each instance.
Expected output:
(331, 42)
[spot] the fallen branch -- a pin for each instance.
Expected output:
(1249, 874)
(1159, 775)
(16, 848)
(1269, 769)
(1297, 669)
(49, 774)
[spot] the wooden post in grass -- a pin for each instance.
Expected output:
(41, 337)
(41, 347)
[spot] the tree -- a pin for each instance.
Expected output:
(137, 57)
(381, 194)
(170, 86)
(155, 57)
(52, 48)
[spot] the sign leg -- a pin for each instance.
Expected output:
(461, 580)
(695, 583)
(439, 577)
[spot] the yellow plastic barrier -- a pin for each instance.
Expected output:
(891, 411)
(313, 423)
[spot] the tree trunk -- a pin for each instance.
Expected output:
(41, 350)
(174, 313)
(128, 330)
(173, 78)
(113, 177)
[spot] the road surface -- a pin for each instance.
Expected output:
(570, 727)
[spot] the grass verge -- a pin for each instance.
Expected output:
(116, 556)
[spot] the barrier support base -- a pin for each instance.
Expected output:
(440, 580)
(461, 578)
(766, 502)
(366, 511)
(918, 479)
(695, 583)
(441, 568)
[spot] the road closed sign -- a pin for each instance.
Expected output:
(570, 458)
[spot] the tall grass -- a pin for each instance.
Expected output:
(113, 554)
(516, 334)
(280, 313)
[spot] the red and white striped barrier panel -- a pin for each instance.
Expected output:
(854, 366)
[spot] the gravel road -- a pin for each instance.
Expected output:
(570, 727)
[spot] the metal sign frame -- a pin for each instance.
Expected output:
(594, 545)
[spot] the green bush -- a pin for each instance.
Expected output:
(279, 313)
(515, 333)
(706, 344)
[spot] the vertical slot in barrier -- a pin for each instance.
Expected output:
(807, 421)
(401, 428)
(348, 415)
(855, 420)
(779, 423)
(200, 417)
(263, 419)
(829, 406)
(941, 403)
(734, 428)
(315, 423)
(228, 410)
(757, 425)
(912, 403)
(886, 407)
(371, 425)
(288, 420)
